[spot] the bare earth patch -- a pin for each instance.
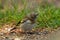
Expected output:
(42, 35)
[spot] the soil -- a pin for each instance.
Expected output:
(38, 34)
(45, 35)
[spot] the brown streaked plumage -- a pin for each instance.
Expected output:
(28, 23)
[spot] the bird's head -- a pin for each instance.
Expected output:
(32, 16)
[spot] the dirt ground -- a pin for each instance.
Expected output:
(31, 36)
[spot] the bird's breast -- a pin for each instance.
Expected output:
(27, 26)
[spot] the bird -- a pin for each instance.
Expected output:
(27, 23)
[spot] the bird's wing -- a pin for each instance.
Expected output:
(22, 21)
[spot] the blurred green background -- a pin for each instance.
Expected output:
(15, 10)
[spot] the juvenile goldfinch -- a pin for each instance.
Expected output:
(28, 23)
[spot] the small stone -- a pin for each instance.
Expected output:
(17, 38)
